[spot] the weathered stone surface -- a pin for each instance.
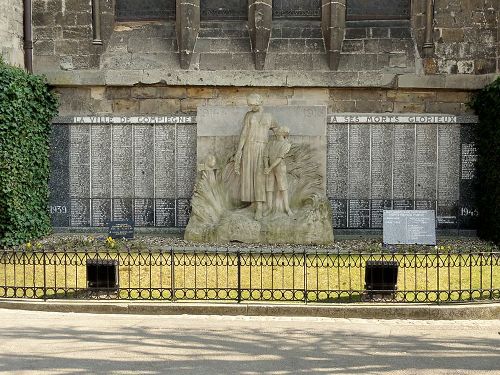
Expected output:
(260, 23)
(233, 198)
(227, 121)
(275, 79)
(11, 33)
(333, 25)
(188, 26)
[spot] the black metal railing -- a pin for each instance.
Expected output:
(229, 275)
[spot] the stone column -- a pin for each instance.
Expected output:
(187, 26)
(333, 14)
(260, 19)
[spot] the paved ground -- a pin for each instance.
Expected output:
(57, 343)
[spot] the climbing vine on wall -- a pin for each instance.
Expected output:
(26, 110)
(486, 104)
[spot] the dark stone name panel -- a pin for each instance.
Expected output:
(467, 207)
(404, 162)
(118, 171)
(184, 158)
(359, 162)
(381, 161)
(60, 203)
(79, 175)
(426, 162)
(400, 162)
(337, 163)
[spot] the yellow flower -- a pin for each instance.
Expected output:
(110, 242)
(29, 246)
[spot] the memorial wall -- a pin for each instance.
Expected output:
(401, 162)
(144, 168)
(122, 168)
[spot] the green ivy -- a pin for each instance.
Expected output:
(26, 110)
(486, 104)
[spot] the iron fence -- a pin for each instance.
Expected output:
(228, 275)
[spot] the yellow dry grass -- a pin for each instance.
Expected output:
(327, 278)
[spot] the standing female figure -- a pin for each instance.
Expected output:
(249, 159)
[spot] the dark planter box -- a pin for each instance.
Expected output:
(381, 277)
(102, 274)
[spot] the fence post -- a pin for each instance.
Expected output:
(438, 297)
(305, 276)
(44, 275)
(238, 255)
(491, 274)
(172, 275)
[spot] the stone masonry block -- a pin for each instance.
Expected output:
(118, 92)
(125, 106)
(410, 96)
(167, 106)
(453, 96)
(438, 107)
(191, 105)
(201, 93)
(409, 107)
(172, 92)
(43, 48)
(144, 92)
(149, 106)
(350, 46)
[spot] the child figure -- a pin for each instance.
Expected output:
(275, 171)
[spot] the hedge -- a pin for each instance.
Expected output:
(26, 110)
(486, 104)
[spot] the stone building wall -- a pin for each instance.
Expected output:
(466, 42)
(466, 36)
(62, 34)
(11, 32)
(161, 100)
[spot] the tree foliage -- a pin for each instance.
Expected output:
(486, 104)
(26, 110)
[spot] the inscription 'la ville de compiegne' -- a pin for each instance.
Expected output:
(267, 191)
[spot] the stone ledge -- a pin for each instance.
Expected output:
(267, 79)
(473, 311)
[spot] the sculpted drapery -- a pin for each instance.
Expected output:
(249, 160)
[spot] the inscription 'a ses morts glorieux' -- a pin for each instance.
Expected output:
(143, 167)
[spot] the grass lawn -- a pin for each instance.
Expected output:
(328, 278)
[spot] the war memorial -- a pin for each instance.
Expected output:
(146, 90)
(246, 136)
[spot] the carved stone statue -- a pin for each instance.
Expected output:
(242, 173)
(275, 171)
(249, 159)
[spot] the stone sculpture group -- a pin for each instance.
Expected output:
(249, 197)
(261, 163)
